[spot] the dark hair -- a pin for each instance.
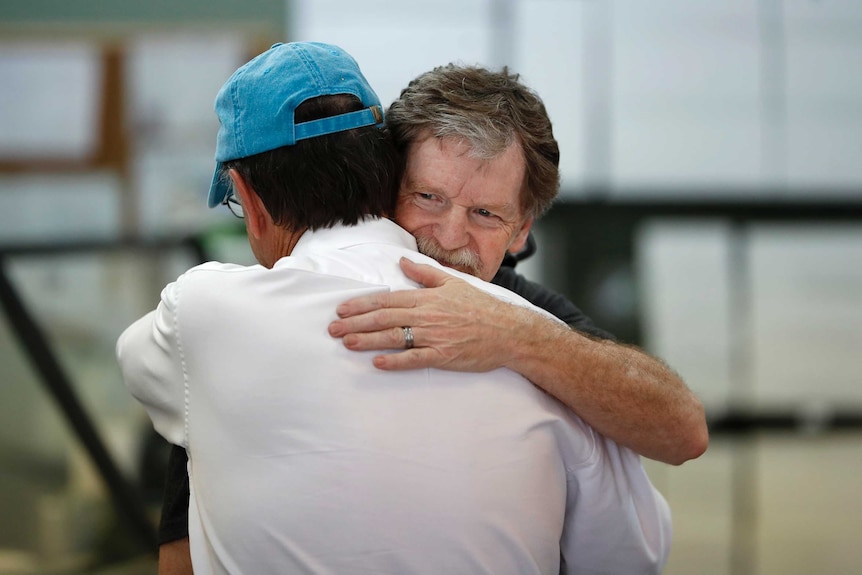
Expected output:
(489, 111)
(334, 179)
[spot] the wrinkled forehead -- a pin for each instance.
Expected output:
(442, 164)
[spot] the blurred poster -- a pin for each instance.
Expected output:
(49, 100)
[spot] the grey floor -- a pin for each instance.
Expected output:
(767, 505)
(771, 505)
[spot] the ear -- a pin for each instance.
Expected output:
(256, 217)
(520, 238)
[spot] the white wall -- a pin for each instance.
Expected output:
(667, 97)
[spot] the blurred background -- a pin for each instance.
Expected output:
(711, 212)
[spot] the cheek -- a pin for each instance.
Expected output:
(494, 249)
(491, 251)
(409, 217)
(499, 240)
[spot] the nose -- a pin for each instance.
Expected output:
(451, 230)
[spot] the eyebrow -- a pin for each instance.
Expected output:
(411, 185)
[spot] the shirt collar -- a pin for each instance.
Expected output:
(340, 236)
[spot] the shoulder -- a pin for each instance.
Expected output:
(205, 274)
(549, 300)
(216, 268)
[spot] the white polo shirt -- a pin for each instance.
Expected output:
(304, 458)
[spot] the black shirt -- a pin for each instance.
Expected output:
(174, 522)
(548, 300)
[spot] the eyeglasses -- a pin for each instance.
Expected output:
(234, 205)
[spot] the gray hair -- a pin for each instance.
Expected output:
(489, 111)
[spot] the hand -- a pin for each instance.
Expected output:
(455, 325)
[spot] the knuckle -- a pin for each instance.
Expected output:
(383, 300)
(384, 317)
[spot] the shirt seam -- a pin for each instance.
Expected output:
(186, 392)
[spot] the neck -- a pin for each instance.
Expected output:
(278, 246)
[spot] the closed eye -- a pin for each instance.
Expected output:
(427, 199)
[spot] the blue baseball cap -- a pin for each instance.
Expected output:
(256, 105)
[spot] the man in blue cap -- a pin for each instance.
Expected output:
(303, 457)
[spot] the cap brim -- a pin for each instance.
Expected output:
(218, 189)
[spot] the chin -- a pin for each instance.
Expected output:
(469, 271)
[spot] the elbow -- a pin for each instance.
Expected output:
(696, 439)
(698, 443)
(692, 448)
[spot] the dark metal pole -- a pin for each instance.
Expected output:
(127, 501)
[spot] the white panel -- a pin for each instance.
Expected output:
(806, 304)
(50, 100)
(549, 56)
(172, 184)
(53, 208)
(395, 42)
(686, 109)
(173, 80)
(824, 95)
(686, 94)
(684, 276)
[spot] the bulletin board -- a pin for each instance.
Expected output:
(61, 107)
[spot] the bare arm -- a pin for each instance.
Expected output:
(622, 392)
(175, 558)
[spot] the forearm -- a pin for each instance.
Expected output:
(622, 392)
(175, 558)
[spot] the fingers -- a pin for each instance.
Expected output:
(388, 320)
(426, 275)
(362, 304)
(415, 358)
(392, 338)
(369, 303)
